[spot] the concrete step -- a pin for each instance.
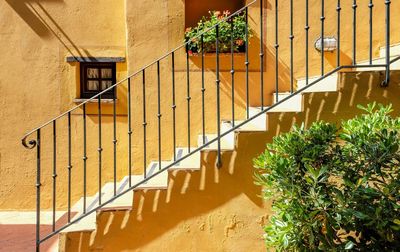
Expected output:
(328, 84)
(190, 163)
(378, 61)
(394, 50)
(293, 104)
(227, 142)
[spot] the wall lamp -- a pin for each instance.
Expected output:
(330, 44)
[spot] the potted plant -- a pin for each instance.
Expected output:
(225, 33)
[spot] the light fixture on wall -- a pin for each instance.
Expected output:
(330, 44)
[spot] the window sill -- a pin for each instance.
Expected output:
(80, 100)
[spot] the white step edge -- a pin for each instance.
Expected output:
(394, 50)
(159, 181)
(227, 142)
(87, 223)
(123, 202)
(378, 61)
(190, 163)
(328, 84)
(250, 126)
(293, 104)
(28, 217)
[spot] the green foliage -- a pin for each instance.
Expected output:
(224, 31)
(335, 190)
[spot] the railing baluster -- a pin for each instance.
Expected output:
(322, 37)
(232, 75)
(261, 54)
(84, 158)
(144, 125)
(247, 61)
(115, 140)
(218, 98)
(173, 106)
(100, 149)
(387, 38)
(54, 173)
(159, 113)
(291, 37)
(188, 98)
(354, 6)
(203, 90)
(370, 6)
(338, 9)
(69, 166)
(129, 134)
(38, 185)
(276, 53)
(307, 28)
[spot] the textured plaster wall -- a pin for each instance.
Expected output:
(219, 210)
(37, 84)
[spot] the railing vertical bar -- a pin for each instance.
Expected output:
(188, 98)
(38, 184)
(291, 37)
(232, 75)
(54, 173)
(261, 54)
(69, 166)
(84, 158)
(338, 9)
(203, 89)
(144, 125)
(218, 97)
(276, 53)
(322, 37)
(370, 6)
(173, 106)
(115, 140)
(247, 61)
(387, 38)
(307, 28)
(159, 113)
(100, 149)
(354, 6)
(129, 134)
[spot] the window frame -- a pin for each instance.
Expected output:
(86, 94)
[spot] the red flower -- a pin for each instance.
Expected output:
(190, 52)
(239, 42)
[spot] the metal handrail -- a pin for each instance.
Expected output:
(264, 109)
(135, 73)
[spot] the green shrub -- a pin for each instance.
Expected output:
(225, 33)
(334, 189)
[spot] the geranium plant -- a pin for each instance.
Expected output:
(225, 33)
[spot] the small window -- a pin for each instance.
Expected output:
(96, 77)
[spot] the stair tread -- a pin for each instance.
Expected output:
(227, 142)
(248, 127)
(190, 163)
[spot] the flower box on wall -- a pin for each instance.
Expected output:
(231, 34)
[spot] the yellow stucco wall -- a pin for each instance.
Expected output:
(37, 83)
(219, 210)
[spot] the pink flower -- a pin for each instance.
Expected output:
(239, 42)
(189, 29)
(227, 13)
(217, 13)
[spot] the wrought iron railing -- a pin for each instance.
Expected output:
(36, 135)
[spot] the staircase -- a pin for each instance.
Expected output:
(124, 197)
